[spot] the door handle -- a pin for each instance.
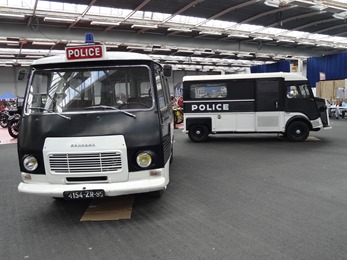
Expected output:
(276, 104)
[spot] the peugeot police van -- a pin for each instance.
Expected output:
(95, 124)
(252, 103)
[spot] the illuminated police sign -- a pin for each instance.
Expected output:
(209, 107)
(84, 52)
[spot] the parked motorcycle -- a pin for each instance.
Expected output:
(13, 125)
(4, 119)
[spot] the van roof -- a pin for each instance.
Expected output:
(108, 56)
(286, 75)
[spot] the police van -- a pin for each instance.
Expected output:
(96, 124)
(252, 103)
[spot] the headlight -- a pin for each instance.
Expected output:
(30, 163)
(144, 159)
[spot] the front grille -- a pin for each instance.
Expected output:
(85, 162)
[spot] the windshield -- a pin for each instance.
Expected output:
(71, 90)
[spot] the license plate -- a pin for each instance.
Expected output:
(83, 194)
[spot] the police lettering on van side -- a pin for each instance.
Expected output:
(209, 107)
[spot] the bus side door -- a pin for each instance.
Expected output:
(269, 105)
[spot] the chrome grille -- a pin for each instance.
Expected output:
(85, 162)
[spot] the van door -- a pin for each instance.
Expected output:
(300, 99)
(269, 105)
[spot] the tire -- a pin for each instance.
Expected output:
(198, 133)
(3, 122)
(13, 128)
(297, 131)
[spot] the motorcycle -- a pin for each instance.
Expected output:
(13, 125)
(4, 119)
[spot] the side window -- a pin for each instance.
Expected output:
(208, 91)
(298, 91)
(161, 89)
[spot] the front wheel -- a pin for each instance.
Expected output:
(298, 131)
(3, 122)
(198, 133)
(13, 128)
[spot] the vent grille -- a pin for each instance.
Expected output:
(85, 162)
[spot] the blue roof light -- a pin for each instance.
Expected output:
(89, 38)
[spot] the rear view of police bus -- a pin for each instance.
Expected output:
(95, 124)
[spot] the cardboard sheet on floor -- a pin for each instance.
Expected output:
(110, 208)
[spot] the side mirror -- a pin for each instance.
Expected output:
(21, 74)
(167, 71)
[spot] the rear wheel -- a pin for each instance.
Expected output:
(298, 131)
(198, 133)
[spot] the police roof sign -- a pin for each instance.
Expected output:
(84, 52)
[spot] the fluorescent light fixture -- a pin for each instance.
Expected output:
(105, 23)
(285, 40)
(161, 49)
(185, 51)
(210, 33)
(341, 16)
(236, 35)
(340, 46)
(306, 42)
(44, 43)
(34, 56)
(21, 16)
(57, 19)
(149, 26)
(179, 29)
(7, 56)
(325, 44)
(272, 3)
(263, 38)
(9, 42)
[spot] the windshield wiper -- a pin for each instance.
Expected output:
(109, 107)
(51, 112)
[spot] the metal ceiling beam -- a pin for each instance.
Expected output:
(313, 24)
(232, 8)
(331, 28)
(33, 14)
(297, 17)
(82, 14)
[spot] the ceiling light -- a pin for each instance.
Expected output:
(179, 29)
(341, 16)
(263, 38)
(105, 23)
(44, 43)
(210, 33)
(21, 16)
(285, 40)
(9, 42)
(57, 19)
(244, 36)
(272, 3)
(144, 26)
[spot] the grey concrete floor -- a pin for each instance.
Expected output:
(233, 197)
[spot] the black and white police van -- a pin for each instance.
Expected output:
(252, 103)
(95, 124)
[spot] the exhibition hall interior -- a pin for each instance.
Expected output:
(173, 129)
